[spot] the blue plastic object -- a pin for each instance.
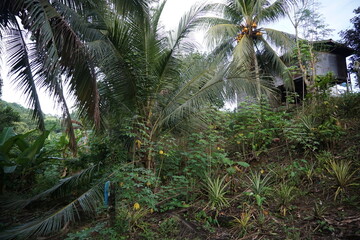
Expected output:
(106, 193)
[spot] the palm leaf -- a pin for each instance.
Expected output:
(221, 32)
(282, 40)
(21, 69)
(133, 8)
(277, 65)
(88, 202)
(243, 52)
(64, 186)
(207, 84)
(52, 29)
(273, 12)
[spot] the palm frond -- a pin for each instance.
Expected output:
(21, 69)
(190, 21)
(277, 66)
(137, 8)
(205, 85)
(166, 67)
(88, 202)
(64, 186)
(112, 54)
(282, 40)
(273, 12)
(243, 52)
(220, 33)
(54, 35)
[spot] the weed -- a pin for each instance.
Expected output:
(292, 233)
(169, 227)
(207, 221)
(323, 226)
(101, 231)
(129, 219)
(285, 195)
(319, 210)
(242, 224)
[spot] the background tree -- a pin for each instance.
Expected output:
(309, 26)
(7, 116)
(351, 37)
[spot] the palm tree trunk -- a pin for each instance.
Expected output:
(257, 77)
(149, 161)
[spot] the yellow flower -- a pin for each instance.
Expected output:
(138, 143)
(238, 142)
(262, 171)
(161, 152)
(218, 148)
(136, 206)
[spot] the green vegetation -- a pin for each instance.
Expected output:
(152, 154)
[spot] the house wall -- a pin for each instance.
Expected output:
(329, 62)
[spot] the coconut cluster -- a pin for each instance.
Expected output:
(251, 30)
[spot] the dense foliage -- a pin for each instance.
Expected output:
(168, 161)
(351, 38)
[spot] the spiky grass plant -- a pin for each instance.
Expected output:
(243, 223)
(319, 210)
(259, 186)
(285, 194)
(216, 191)
(341, 172)
(129, 219)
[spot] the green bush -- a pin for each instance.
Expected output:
(253, 127)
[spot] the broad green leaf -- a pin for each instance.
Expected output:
(243, 164)
(6, 133)
(30, 153)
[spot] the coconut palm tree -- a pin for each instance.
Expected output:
(238, 32)
(143, 74)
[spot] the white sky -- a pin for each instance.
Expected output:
(336, 13)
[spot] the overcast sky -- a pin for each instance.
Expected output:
(336, 13)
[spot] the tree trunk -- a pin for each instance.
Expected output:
(257, 77)
(149, 160)
(301, 65)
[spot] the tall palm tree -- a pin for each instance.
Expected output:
(238, 32)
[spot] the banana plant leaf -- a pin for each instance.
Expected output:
(30, 154)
